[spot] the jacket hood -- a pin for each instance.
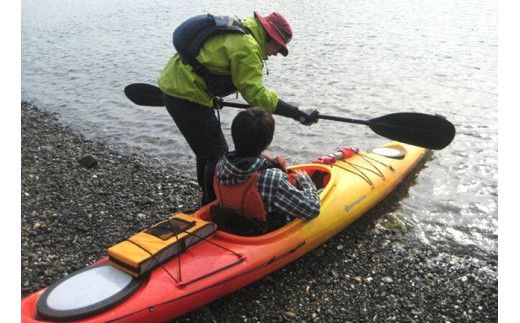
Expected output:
(234, 170)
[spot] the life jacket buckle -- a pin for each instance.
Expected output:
(218, 103)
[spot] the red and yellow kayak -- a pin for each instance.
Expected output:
(225, 262)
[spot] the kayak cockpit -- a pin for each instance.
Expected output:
(235, 227)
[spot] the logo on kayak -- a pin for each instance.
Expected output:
(349, 207)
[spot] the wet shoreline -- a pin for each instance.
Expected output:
(369, 272)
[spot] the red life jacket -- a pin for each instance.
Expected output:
(244, 198)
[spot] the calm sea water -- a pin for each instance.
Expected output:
(353, 58)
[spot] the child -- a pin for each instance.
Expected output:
(257, 187)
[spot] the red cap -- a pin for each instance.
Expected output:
(278, 28)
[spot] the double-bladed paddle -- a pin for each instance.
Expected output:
(418, 129)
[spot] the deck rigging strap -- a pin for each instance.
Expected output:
(380, 162)
(216, 244)
(180, 251)
(359, 168)
(153, 257)
(360, 174)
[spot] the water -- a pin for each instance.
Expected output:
(353, 58)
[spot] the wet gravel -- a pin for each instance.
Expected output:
(80, 197)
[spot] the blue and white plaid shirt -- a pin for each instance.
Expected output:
(279, 196)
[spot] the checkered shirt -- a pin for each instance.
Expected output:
(279, 196)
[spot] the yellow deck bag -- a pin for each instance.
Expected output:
(163, 241)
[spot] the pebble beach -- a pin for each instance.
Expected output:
(79, 197)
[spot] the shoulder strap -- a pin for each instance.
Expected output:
(189, 36)
(229, 23)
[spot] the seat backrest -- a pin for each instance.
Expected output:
(229, 221)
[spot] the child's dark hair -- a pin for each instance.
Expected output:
(252, 131)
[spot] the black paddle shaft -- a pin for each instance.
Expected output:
(342, 119)
(419, 129)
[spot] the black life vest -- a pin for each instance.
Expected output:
(189, 37)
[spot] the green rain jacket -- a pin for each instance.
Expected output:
(235, 54)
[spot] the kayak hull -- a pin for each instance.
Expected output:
(227, 262)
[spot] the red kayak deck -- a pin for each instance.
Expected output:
(202, 274)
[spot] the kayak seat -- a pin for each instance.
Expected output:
(229, 221)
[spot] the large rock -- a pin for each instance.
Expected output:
(88, 161)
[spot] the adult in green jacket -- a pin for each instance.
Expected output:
(239, 57)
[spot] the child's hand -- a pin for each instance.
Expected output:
(300, 173)
(278, 162)
(268, 155)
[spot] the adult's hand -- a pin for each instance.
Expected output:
(288, 110)
(308, 117)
